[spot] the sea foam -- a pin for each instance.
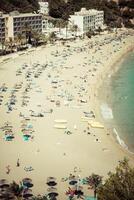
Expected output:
(120, 141)
(106, 111)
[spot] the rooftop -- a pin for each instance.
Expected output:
(84, 12)
(17, 14)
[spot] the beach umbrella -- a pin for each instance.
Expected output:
(3, 183)
(27, 194)
(27, 180)
(29, 185)
(6, 195)
(72, 182)
(9, 137)
(51, 183)
(78, 192)
(27, 135)
(53, 194)
(51, 178)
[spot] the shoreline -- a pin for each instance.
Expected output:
(116, 64)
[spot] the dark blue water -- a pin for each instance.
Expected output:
(122, 100)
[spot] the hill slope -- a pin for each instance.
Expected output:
(116, 12)
(20, 5)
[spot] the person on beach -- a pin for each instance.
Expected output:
(8, 169)
(18, 163)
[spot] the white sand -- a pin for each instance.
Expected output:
(68, 80)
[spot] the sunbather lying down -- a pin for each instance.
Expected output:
(28, 169)
(68, 132)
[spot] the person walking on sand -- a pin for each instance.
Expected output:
(18, 163)
(8, 169)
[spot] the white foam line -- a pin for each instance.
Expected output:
(121, 142)
(106, 111)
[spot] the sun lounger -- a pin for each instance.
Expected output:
(94, 124)
(62, 121)
(60, 126)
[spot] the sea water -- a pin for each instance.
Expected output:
(118, 105)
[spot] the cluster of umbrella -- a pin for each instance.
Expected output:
(39, 71)
(27, 185)
(19, 70)
(13, 98)
(75, 189)
(33, 71)
(8, 132)
(52, 190)
(5, 192)
(13, 190)
(3, 88)
(25, 97)
(1, 99)
(26, 129)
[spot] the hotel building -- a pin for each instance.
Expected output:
(87, 20)
(2, 27)
(16, 23)
(19, 23)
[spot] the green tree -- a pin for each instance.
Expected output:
(11, 43)
(119, 185)
(94, 181)
(59, 24)
(36, 37)
(75, 29)
(16, 190)
(52, 37)
(20, 40)
(21, 6)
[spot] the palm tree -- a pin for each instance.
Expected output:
(11, 43)
(59, 24)
(65, 24)
(2, 46)
(20, 39)
(16, 189)
(28, 33)
(75, 29)
(36, 37)
(94, 181)
(52, 37)
(44, 38)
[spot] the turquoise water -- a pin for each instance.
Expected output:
(121, 90)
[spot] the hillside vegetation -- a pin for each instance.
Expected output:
(20, 5)
(116, 13)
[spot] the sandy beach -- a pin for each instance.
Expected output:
(49, 101)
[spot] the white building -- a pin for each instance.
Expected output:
(19, 23)
(44, 7)
(87, 20)
(47, 24)
(2, 27)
